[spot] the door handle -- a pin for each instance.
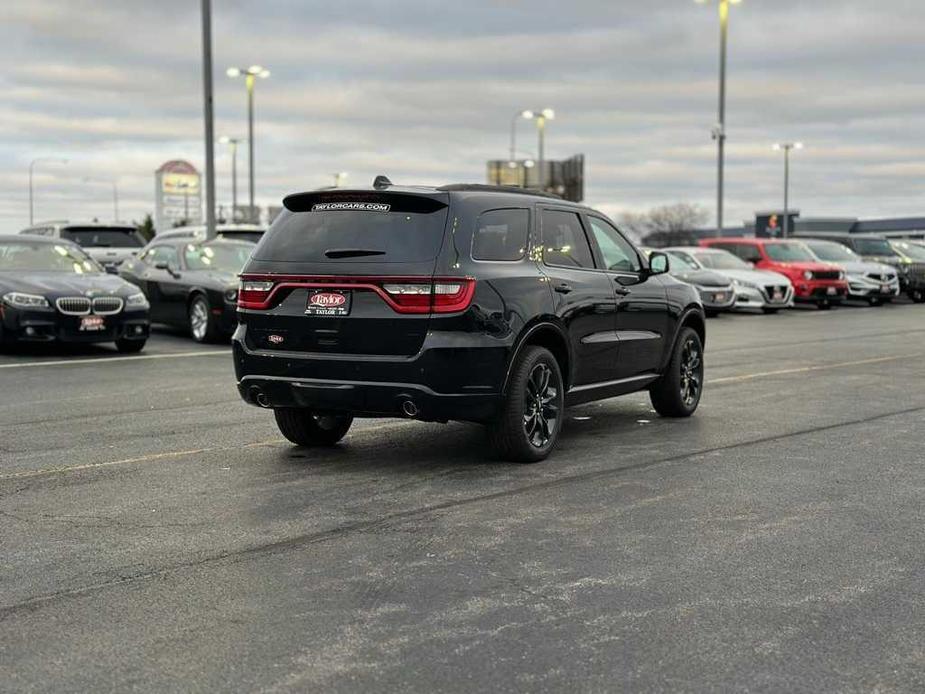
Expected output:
(622, 291)
(563, 288)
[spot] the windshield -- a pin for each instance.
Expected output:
(229, 258)
(678, 264)
(721, 261)
(910, 250)
(249, 236)
(103, 237)
(788, 252)
(45, 257)
(873, 247)
(828, 250)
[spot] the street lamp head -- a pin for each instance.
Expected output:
(526, 114)
(798, 145)
(255, 69)
(233, 72)
(264, 74)
(777, 146)
(224, 140)
(548, 114)
(529, 164)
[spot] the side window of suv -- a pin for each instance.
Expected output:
(564, 240)
(618, 253)
(749, 253)
(501, 235)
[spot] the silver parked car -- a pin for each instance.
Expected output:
(717, 293)
(754, 289)
(868, 281)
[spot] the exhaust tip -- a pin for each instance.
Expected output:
(260, 397)
(409, 408)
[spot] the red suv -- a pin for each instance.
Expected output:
(813, 282)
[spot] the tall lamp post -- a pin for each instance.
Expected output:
(786, 147)
(339, 178)
(38, 160)
(719, 132)
(540, 116)
(250, 75)
(520, 115)
(233, 142)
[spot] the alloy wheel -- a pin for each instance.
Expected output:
(541, 405)
(691, 372)
(199, 319)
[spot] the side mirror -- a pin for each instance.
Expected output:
(658, 263)
(168, 267)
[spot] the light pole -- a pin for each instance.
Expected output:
(528, 115)
(208, 117)
(786, 147)
(338, 177)
(250, 75)
(233, 142)
(719, 132)
(115, 194)
(540, 116)
(32, 164)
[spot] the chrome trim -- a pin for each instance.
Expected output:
(607, 384)
(633, 335)
(108, 305)
(73, 305)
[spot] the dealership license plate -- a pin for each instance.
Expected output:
(719, 297)
(831, 291)
(778, 295)
(884, 289)
(328, 302)
(92, 324)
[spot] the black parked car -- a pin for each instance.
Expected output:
(51, 290)
(191, 284)
(464, 302)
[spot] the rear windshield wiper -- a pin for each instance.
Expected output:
(350, 252)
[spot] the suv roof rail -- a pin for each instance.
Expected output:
(381, 182)
(485, 188)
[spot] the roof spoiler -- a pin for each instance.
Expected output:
(381, 182)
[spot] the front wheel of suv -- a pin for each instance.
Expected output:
(677, 393)
(530, 418)
(306, 428)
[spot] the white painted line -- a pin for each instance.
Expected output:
(100, 360)
(809, 369)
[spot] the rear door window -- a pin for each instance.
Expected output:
(501, 235)
(382, 229)
(564, 240)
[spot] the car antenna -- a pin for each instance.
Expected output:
(381, 182)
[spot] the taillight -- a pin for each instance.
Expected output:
(254, 293)
(453, 295)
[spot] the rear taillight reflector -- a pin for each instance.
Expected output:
(254, 293)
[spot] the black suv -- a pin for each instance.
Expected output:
(463, 302)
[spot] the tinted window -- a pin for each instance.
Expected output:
(788, 252)
(228, 257)
(679, 263)
(873, 247)
(45, 257)
(910, 250)
(392, 228)
(564, 241)
(501, 235)
(249, 236)
(103, 237)
(162, 254)
(745, 251)
(618, 253)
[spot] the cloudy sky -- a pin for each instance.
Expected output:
(424, 91)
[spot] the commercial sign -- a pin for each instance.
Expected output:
(177, 195)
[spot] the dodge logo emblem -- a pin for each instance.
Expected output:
(328, 299)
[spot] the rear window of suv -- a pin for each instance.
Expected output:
(387, 229)
(501, 235)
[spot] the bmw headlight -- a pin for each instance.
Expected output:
(231, 295)
(807, 274)
(138, 300)
(22, 300)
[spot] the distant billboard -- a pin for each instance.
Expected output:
(177, 195)
(565, 178)
(770, 225)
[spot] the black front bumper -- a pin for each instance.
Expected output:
(19, 325)
(441, 382)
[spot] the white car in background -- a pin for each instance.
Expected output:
(755, 289)
(868, 281)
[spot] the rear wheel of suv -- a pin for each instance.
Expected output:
(305, 428)
(677, 393)
(528, 425)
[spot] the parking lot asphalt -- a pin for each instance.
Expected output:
(158, 534)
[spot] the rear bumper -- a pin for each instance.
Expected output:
(455, 376)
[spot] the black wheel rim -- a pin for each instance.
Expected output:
(691, 372)
(541, 406)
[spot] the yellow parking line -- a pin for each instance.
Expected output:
(98, 360)
(808, 369)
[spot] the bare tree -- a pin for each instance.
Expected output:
(667, 225)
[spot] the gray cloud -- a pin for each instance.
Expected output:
(424, 91)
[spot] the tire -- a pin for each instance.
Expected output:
(530, 418)
(918, 296)
(677, 393)
(824, 305)
(130, 346)
(199, 319)
(769, 311)
(305, 428)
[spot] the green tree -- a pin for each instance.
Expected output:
(147, 227)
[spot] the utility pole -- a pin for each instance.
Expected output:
(208, 117)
